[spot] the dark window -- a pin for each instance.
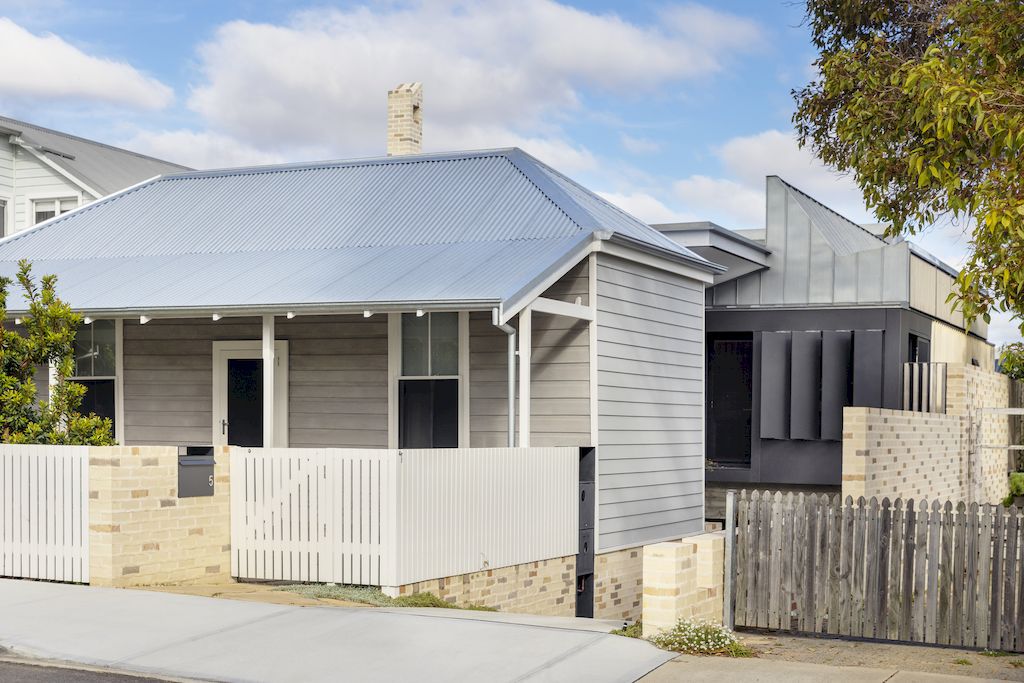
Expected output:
(99, 398)
(96, 367)
(730, 399)
(428, 408)
(920, 350)
(428, 413)
(245, 402)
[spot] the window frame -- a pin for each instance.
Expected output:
(57, 197)
(117, 418)
(7, 211)
(395, 375)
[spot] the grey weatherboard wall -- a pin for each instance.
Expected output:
(650, 368)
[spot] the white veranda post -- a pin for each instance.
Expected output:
(269, 361)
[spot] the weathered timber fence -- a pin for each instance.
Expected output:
(909, 571)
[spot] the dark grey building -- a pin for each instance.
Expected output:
(815, 313)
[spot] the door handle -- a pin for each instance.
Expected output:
(224, 427)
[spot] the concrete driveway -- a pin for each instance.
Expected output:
(226, 640)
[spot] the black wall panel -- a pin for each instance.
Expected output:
(836, 371)
(868, 362)
(775, 379)
(805, 386)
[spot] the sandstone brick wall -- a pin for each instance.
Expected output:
(683, 579)
(141, 533)
(405, 119)
(618, 584)
(902, 454)
(968, 389)
(545, 587)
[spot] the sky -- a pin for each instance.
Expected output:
(673, 110)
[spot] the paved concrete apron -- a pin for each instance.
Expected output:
(227, 640)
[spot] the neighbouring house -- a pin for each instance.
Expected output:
(46, 173)
(444, 301)
(815, 313)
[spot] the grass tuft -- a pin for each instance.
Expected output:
(963, 662)
(368, 595)
(996, 653)
(634, 630)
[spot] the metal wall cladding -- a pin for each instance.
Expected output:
(467, 226)
(819, 258)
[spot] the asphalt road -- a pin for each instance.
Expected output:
(13, 672)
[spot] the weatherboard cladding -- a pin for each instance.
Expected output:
(474, 226)
(104, 168)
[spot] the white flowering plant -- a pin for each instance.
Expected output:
(701, 638)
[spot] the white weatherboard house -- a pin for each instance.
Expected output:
(465, 301)
(45, 173)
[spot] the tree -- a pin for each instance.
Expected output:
(50, 327)
(923, 102)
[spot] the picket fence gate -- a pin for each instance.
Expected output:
(44, 512)
(389, 517)
(908, 571)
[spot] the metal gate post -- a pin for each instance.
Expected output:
(728, 611)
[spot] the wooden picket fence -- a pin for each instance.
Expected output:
(908, 571)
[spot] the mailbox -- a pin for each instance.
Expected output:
(195, 471)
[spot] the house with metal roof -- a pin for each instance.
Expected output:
(815, 313)
(462, 300)
(45, 173)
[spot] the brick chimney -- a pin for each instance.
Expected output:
(405, 119)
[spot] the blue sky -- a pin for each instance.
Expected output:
(674, 110)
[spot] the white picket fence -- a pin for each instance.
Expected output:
(392, 517)
(44, 512)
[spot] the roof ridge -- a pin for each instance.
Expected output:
(829, 209)
(285, 167)
(70, 136)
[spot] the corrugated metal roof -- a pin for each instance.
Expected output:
(472, 226)
(104, 168)
(843, 235)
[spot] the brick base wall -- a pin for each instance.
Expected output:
(546, 587)
(618, 584)
(141, 533)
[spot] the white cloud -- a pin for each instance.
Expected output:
(736, 199)
(492, 71)
(199, 150)
(45, 67)
(646, 207)
(635, 145)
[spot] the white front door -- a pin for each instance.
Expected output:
(238, 393)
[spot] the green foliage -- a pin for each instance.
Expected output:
(373, 596)
(701, 638)
(49, 337)
(923, 102)
(1011, 360)
(1016, 488)
(634, 630)
(963, 662)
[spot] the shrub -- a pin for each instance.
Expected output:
(1016, 488)
(701, 638)
(48, 338)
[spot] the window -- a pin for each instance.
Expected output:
(920, 349)
(96, 367)
(428, 386)
(45, 209)
(3, 217)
